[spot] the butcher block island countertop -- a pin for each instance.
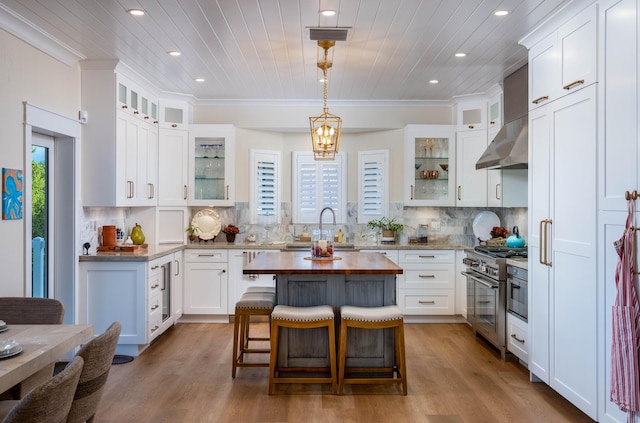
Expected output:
(344, 263)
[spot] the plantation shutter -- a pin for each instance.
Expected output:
(318, 184)
(373, 182)
(265, 187)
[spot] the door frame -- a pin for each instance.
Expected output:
(66, 132)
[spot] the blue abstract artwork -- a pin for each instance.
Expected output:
(12, 196)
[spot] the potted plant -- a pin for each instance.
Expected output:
(193, 232)
(388, 227)
(231, 231)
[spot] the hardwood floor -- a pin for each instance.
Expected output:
(453, 378)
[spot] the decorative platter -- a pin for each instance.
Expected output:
(208, 223)
(483, 223)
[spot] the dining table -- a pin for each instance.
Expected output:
(41, 345)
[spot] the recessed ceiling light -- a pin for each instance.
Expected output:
(461, 54)
(328, 12)
(199, 79)
(136, 12)
(433, 81)
(501, 13)
(174, 53)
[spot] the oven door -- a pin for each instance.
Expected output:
(486, 307)
(517, 297)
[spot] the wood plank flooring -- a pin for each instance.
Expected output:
(453, 377)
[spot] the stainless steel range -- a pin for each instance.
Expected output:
(486, 275)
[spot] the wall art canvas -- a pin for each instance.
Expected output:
(12, 196)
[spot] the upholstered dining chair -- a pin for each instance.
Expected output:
(30, 311)
(98, 356)
(49, 402)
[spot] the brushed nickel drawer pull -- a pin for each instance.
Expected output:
(513, 335)
(540, 99)
(206, 255)
(484, 302)
(574, 84)
(154, 267)
(427, 276)
(412, 192)
(155, 286)
(426, 302)
(427, 257)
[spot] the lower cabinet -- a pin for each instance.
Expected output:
(238, 283)
(518, 337)
(206, 281)
(138, 294)
(427, 286)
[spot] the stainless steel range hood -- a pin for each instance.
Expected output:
(509, 149)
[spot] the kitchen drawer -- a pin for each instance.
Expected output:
(155, 304)
(426, 256)
(206, 256)
(154, 323)
(427, 301)
(154, 279)
(439, 276)
(517, 337)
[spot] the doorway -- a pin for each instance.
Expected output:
(42, 179)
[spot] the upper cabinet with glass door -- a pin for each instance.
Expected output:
(429, 163)
(174, 114)
(211, 165)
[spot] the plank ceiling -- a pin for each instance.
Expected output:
(259, 49)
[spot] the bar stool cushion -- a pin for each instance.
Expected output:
(270, 289)
(302, 314)
(256, 300)
(371, 314)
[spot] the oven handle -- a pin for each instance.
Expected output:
(483, 282)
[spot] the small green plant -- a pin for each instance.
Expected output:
(385, 224)
(192, 230)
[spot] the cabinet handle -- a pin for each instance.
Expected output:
(185, 192)
(493, 122)
(124, 106)
(574, 84)
(544, 252)
(633, 195)
(427, 257)
(154, 267)
(411, 192)
(253, 276)
(224, 270)
(427, 276)
(177, 262)
(155, 328)
(155, 121)
(459, 192)
(155, 307)
(497, 191)
(471, 127)
(206, 255)
(174, 125)
(130, 186)
(540, 99)
(484, 302)
(146, 117)
(227, 192)
(513, 335)
(136, 112)
(426, 302)
(151, 191)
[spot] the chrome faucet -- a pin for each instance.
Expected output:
(334, 218)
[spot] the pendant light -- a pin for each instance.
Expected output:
(325, 128)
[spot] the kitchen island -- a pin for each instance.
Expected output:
(365, 279)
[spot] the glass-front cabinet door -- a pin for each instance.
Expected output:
(429, 165)
(211, 170)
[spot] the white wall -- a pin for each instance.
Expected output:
(26, 74)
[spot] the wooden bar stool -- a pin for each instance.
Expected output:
(372, 318)
(302, 318)
(250, 304)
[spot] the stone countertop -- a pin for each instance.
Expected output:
(156, 251)
(518, 262)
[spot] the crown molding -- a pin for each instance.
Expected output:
(21, 28)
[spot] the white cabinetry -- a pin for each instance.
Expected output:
(177, 287)
(562, 268)
(119, 148)
(518, 337)
(471, 115)
(565, 60)
(211, 165)
(471, 183)
(174, 114)
(239, 282)
(494, 114)
(429, 166)
(173, 159)
(427, 286)
(138, 294)
(205, 281)
(619, 164)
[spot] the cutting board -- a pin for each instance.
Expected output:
(123, 248)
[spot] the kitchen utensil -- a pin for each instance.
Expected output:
(515, 240)
(483, 223)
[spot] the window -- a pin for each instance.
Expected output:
(318, 184)
(265, 186)
(373, 183)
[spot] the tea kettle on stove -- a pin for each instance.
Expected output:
(515, 240)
